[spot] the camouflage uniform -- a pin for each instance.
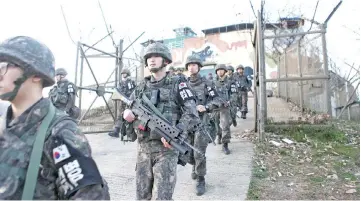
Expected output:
(156, 168)
(179, 72)
(243, 87)
(226, 90)
(171, 70)
(206, 96)
(67, 170)
(63, 95)
(234, 99)
(127, 86)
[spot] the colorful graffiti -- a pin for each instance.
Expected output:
(231, 48)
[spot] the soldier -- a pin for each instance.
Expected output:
(62, 95)
(226, 90)
(233, 78)
(244, 87)
(207, 100)
(43, 154)
(171, 70)
(127, 86)
(210, 76)
(179, 72)
(156, 168)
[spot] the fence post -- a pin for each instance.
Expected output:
(327, 92)
(286, 75)
(299, 59)
(279, 76)
(261, 76)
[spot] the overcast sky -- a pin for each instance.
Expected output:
(43, 20)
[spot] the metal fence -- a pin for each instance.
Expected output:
(302, 78)
(303, 60)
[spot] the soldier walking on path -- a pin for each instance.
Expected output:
(156, 168)
(244, 88)
(226, 90)
(234, 79)
(43, 154)
(127, 87)
(207, 101)
(63, 94)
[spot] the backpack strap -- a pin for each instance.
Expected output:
(36, 154)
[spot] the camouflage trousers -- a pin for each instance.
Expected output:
(118, 122)
(223, 124)
(200, 142)
(156, 175)
(242, 101)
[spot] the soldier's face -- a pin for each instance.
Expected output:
(240, 71)
(155, 62)
(8, 74)
(58, 78)
(193, 68)
(221, 72)
(124, 75)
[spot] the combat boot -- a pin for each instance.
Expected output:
(225, 149)
(219, 139)
(234, 122)
(114, 133)
(243, 116)
(200, 186)
(194, 175)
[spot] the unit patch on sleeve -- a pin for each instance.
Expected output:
(60, 153)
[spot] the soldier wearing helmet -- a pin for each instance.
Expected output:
(244, 87)
(226, 89)
(207, 101)
(63, 94)
(234, 78)
(179, 72)
(58, 162)
(171, 70)
(126, 86)
(156, 163)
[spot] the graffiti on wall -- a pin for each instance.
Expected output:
(231, 48)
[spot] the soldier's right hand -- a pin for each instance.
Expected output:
(128, 115)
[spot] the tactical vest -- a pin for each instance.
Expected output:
(59, 95)
(163, 96)
(223, 88)
(127, 87)
(199, 86)
(14, 160)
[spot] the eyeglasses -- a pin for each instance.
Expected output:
(4, 67)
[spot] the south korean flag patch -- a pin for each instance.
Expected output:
(184, 92)
(60, 153)
(70, 88)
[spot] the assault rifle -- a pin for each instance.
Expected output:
(149, 119)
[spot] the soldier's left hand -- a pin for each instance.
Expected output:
(165, 143)
(201, 108)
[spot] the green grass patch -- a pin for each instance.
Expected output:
(317, 179)
(300, 133)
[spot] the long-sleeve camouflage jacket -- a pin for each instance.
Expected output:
(67, 170)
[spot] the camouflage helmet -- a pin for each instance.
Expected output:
(61, 71)
(158, 49)
(230, 68)
(240, 66)
(181, 68)
(30, 55)
(171, 68)
(125, 71)
(220, 66)
(194, 59)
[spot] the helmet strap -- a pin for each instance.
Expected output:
(18, 82)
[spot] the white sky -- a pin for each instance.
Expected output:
(43, 20)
